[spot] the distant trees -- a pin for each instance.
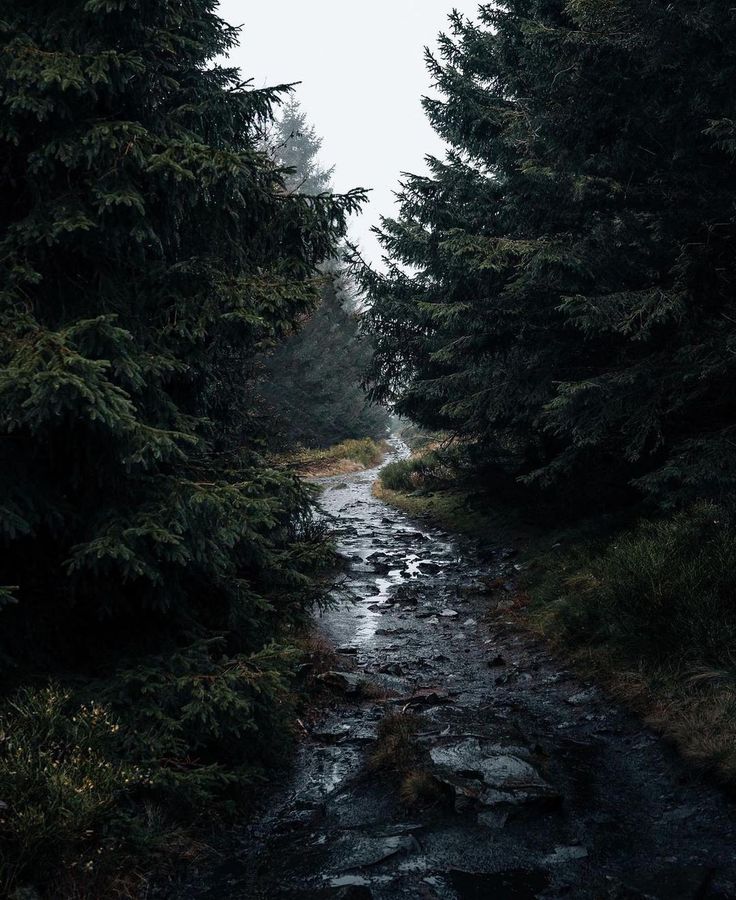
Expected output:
(311, 383)
(569, 306)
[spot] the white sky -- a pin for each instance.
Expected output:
(362, 71)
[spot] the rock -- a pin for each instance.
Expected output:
(407, 537)
(427, 697)
(430, 568)
(401, 828)
(562, 855)
(331, 734)
(468, 623)
(355, 851)
(680, 814)
(433, 621)
(347, 651)
(671, 882)
(494, 819)
(348, 683)
(449, 613)
(354, 893)
(349, 881)
(581, 697)
(506, 779)
(391, 669)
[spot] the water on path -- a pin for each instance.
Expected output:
(549, 789)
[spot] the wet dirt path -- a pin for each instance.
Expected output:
(549, 789)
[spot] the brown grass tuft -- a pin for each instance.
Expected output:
(396, 748)
(420, 789)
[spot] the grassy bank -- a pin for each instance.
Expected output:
(341, 459)
(648, 609)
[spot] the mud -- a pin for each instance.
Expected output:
(547, 788)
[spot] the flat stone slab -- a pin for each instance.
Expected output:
(503, 776)
(356, 851)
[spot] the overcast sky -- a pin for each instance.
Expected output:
(362, 71)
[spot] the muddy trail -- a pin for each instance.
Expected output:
(544, 787)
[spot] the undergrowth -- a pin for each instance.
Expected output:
(351, 454)
(101, 783)
(651, 611)
(646, 607)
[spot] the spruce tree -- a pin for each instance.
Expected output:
(146, 241)
(311, 383)
(561, 286)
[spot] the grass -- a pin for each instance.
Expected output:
(397, 752)
(649, 609)
(396, 747)
(349, 456)
(427, 486)
(650, 612)
(420, 789)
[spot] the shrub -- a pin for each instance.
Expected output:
(663, 591)
(207, 725)
(63, 787)
(432, 469)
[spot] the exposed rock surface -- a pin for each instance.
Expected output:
(544, 789)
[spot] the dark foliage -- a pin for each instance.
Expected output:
(145, 239)
(149, 557)
(569, 310)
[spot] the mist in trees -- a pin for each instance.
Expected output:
(311, 384)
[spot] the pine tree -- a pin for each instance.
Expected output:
(146, 241)
(569, 308)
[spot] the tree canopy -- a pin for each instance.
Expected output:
(561, 286)
(146, 239)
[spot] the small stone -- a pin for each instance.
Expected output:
(391, 669)
(354, 851)
(469, 623)
(350, 881)
(680, 814)
(449, 613)
(351, 685)
(564, 855)
(494, 819)
(581, 697)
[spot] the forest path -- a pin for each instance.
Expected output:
(552, 791)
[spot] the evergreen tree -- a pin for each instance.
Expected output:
(146, 241)
(561, 286)
(295, 145)
(311, 383)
